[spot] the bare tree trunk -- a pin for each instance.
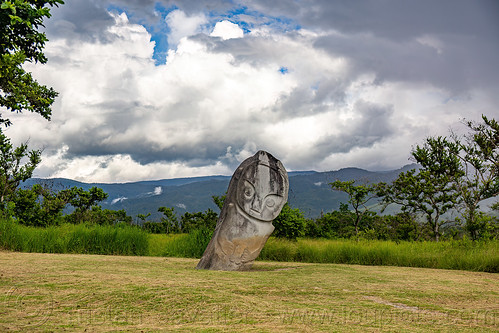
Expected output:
(436, 228)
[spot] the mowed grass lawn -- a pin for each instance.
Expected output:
(66, 292)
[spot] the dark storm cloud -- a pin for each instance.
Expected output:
(195, 6)
(144, 8)
(118, 117)
(457, 67)
(388, 37)
(372, 123)
(192, 154)
(393, 19)
(79, 20)
(141, 10)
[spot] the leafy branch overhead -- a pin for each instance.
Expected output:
(20, 42)
(359, 196)
(12, 170)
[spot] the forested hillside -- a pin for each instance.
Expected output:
(309, 191)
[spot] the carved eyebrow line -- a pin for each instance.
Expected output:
(247, 181)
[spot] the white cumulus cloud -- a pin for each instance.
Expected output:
(227, 30)
(182, 25)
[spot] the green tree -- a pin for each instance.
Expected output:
(402, 226)
(26, 209)
(200, 220)
(431, 190)
(97, 215)
(20, 42)
(12, 169)
(358, 197)
(39, 206)
(335, 224)
(219, 200)
(495, 218)
(82, 201)
(479, 154)
(142, 218)
(169, 223)
(153, 227)
(289, 224)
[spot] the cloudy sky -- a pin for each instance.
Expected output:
(162, 89)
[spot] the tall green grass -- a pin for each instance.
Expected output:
(128, 240)
(68, 238)
(190, 245)
(463, 254)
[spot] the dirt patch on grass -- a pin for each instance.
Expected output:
(401, 306)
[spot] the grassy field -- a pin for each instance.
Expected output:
(70, 292)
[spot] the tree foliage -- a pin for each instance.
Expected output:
(39, 206)
(431, 190)
(358, 197)
(169, 220)
(479, 155)
(219, 200)
(199, 220)
(20, 42)
(289, 224)
(97, 215)
(188, 222)
(142, 218)
(12, 169)
(335, 224)
(82, 201)
(456, 172)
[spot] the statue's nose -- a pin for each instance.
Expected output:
(256, 204)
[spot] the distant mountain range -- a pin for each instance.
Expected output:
(309, 191)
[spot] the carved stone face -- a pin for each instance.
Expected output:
(257, 192)
(261, 191)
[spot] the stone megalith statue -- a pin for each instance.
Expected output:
(257, 192)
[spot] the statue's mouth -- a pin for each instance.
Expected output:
(255, 211)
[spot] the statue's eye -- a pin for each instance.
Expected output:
(249, 190)
(272, 200)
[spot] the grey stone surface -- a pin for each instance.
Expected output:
(257, 192)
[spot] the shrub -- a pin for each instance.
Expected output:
(290, 223)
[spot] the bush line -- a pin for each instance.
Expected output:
(131, 240)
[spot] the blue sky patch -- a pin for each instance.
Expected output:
(284, 70)
(245, 18)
